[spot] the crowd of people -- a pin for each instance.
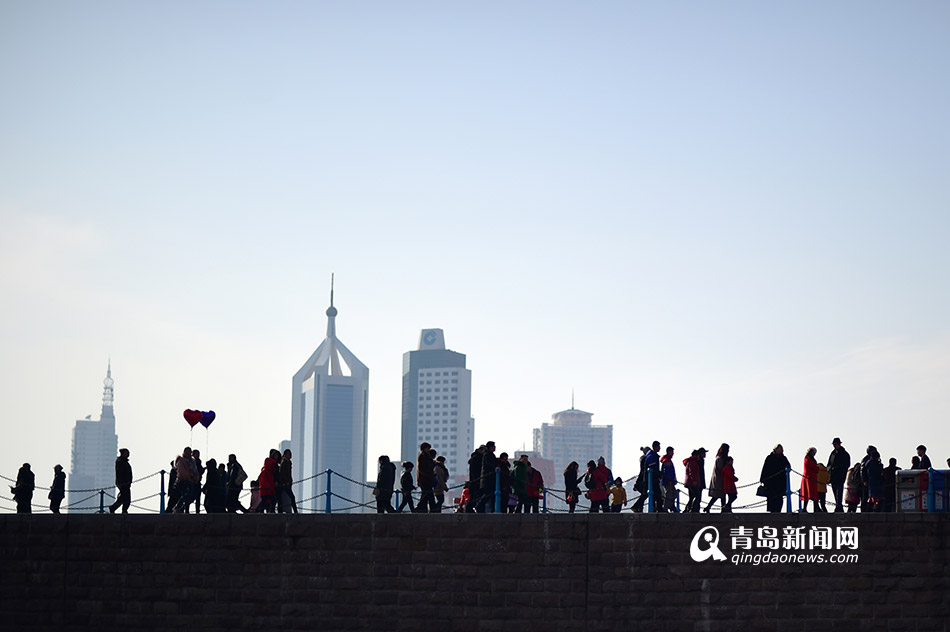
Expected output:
(495, 483)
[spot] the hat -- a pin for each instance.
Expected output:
(601, 461)
(835, 440)
(702, 450)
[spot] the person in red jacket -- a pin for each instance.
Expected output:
(729, 485)
(695, 479)
(268, 483)
(534, 485)
(809, 488)
(600, 478)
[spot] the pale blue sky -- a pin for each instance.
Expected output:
(717, 222)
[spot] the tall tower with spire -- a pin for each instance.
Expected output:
(329, 423)
(94, 448)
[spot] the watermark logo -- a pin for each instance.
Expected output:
(773, 545)
(709, 535)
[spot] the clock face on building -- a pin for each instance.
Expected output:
(429, 337)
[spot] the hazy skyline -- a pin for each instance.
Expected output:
(714, 223)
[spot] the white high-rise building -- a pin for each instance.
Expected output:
(571, 437)
(94, 450)
(437, 403)
(329, 424)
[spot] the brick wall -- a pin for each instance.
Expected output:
(414, 572)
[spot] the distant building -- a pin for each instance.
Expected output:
(571, 437)
(95, 447)
(329, 424)
(437, 403)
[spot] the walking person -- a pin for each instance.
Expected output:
(890, 485)
(425, 476)
(489, 463)
(385, 485)
(407, 485)
(695, 479)
(839, 462)
(668, 480)
(123, 481)
(715, 481)
(875, 479)
(474, 483)
(924, 459)
(236, 478)
(809, 487)
(441, 481)
(651, 472)
(729, 490)
(773, 478)
(571, 489)
(57, 490)
(23, 490)
(518, 475)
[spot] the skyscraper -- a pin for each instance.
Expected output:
(437, 403)
(94, 449)
(571, 437)
(329, 423)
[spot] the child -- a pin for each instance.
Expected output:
(618, 496)
(255, 497)
(407, 486)
(729, 485)
(823, 479)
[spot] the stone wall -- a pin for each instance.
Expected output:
(475, 572)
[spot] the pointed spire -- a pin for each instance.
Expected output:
(107, 384)
(572, 398)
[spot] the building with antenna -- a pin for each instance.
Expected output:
(571, 437)
(95, 446)
(437, 403)
(329, 424)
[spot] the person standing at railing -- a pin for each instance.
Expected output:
(823, 478)
(715, 481)
(486, 503)
(425, 476)
(123, 481)
(23, 492)
(599, 490)
(286, 501)
(618, 496)
(890, 485)
(196, 455)
(474, 484)
(852, 495)
(571, 488)
(809, 486)
(236, 478)
(267, 483)
(773, 477)
(519, 471)
(186, 472)
(57, 490)
(839, 462)
(874, 470)
(534, 484)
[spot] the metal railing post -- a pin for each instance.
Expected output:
(788, 490)
(497, 490)
(329, 508)
(544, 501)
(677, 500)
(650, 490)
(102, 501)
(398, 496)
(161, 495)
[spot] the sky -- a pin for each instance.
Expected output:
(712, 223)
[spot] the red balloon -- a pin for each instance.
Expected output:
(192, 416)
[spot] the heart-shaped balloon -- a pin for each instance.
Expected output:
(192, 416)
(207, 418)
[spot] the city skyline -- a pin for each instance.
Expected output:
(717, 224)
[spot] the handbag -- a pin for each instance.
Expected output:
(762, 491)
(375, 491)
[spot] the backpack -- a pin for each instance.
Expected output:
(241, 477)
(588, 480)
